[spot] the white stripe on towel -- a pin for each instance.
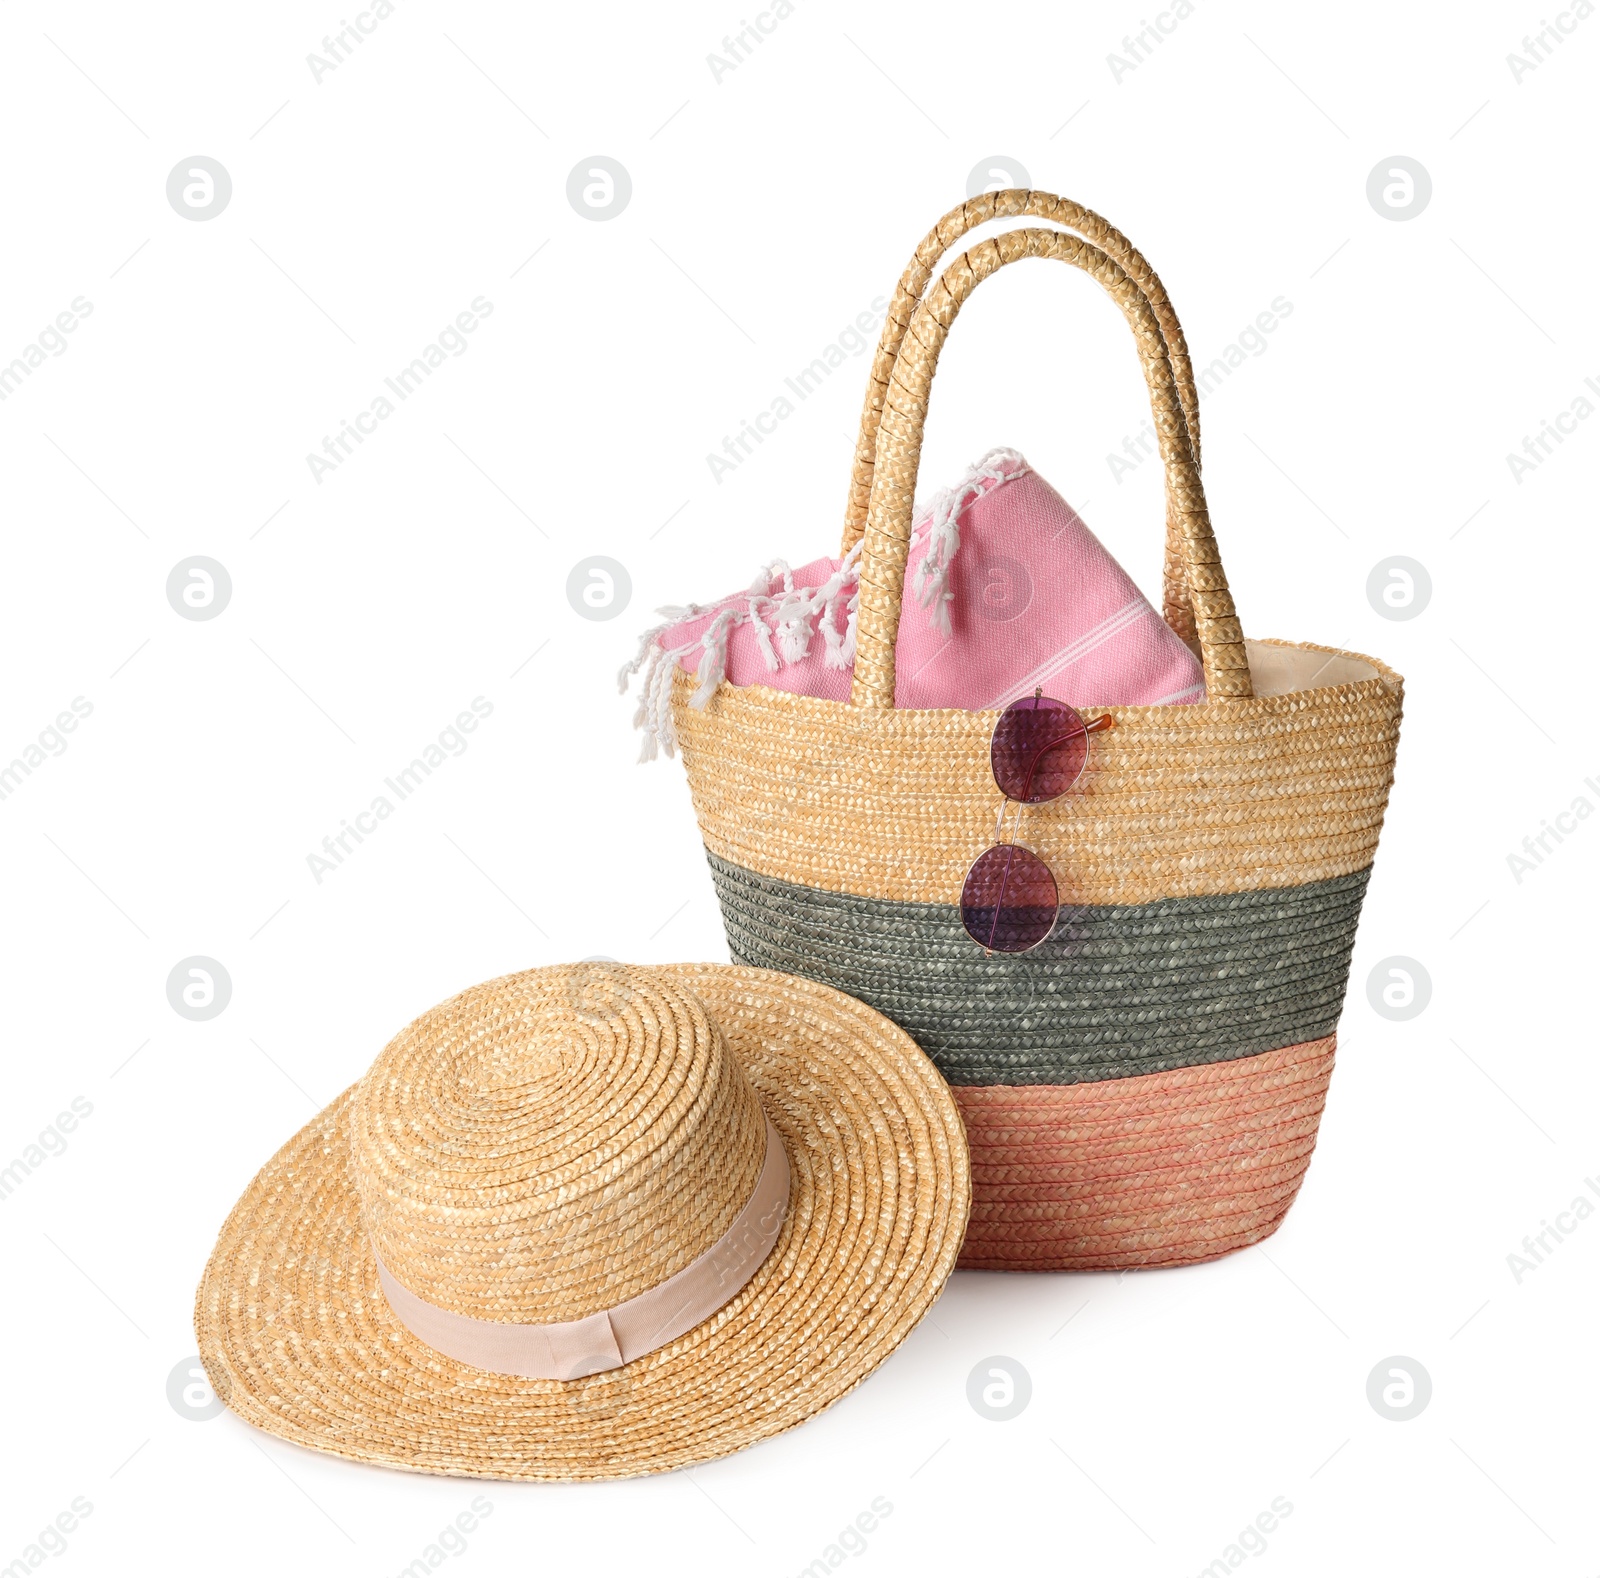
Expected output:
(1089, 641)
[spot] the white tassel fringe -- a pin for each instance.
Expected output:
(785, 618)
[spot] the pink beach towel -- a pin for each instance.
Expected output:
(1006, 590)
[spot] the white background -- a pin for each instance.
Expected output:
(768, 209)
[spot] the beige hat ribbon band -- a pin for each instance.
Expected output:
(567, 1350)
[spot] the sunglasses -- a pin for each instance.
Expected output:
(1009, 901)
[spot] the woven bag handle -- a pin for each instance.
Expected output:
(950, 229)
(899, 451)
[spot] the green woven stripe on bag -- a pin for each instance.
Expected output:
(1118, 990)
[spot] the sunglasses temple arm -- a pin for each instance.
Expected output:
(1000, 898)
(1097, 726)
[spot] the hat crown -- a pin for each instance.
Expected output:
(553, 1143)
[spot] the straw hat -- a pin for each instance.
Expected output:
(592, 1221)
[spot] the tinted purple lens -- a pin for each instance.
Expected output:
(1038, 750)
(1008, 902)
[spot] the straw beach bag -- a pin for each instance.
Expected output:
(1143, 1088)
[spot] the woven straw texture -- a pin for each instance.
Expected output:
(1114, 992)
(1159, 1170)
(525, 1152)
(1212, 859)
(546, 1145)
(1175, 801)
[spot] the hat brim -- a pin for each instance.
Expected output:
(297, 1338)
